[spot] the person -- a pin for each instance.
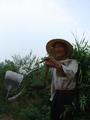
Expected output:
(63, 70)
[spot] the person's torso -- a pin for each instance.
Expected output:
(63, 82)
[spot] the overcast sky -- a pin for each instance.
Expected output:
(27, 25)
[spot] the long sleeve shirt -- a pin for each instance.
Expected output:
(67, 82)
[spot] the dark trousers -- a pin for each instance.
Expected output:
(58, 103)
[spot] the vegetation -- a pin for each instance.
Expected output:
(82, 54)
(34, 104)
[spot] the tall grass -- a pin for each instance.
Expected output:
(82, 55)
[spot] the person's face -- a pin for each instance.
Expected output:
(59, 51)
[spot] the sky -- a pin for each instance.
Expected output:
(27, 25)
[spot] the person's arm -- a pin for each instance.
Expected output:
(66, 70)
(51, 62)
(58, 66)
(70, 69)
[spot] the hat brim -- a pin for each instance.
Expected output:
(50, 44)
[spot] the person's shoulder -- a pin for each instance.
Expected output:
(73, 61)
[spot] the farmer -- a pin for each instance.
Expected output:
(63, 76)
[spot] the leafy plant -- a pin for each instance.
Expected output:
(82, 55)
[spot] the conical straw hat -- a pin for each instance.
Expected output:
(50, 50)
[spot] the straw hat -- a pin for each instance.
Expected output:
(50, 44)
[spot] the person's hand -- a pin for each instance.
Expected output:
(51, 62)
(56, 63)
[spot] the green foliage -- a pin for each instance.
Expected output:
(82, 55)
(25, 63)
